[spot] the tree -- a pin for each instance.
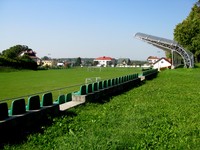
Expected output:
(11, 57)
(78, 61)
(13, 52)
(45, 58)
(187, 33)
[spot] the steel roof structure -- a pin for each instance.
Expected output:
(168, 45)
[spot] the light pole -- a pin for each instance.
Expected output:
(158, 61)
(172, 59)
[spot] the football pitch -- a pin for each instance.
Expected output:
(61, 81)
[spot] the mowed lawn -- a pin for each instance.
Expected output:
(163, 113)
(20, 83)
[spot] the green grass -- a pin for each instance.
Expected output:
(20, 83)
(161, 114)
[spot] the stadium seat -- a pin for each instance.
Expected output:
(33, 103)
(89, 88)
(47, 99)
(100, 85)
(105, 85)
(68, 97)
(113, 81)
(116, 81)
(18, 107)
(3, 111)
(95, 86)
(60, 100)
(120, 80)
(109, 82)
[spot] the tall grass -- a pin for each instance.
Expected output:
(160, 114)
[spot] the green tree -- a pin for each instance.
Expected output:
(11, 57)
(45, 58)
(187, 33)
(13, 52)
(78, 61)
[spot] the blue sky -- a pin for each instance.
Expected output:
(89, 28)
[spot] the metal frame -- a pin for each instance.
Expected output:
(168, 45)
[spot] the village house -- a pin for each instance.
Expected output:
(104, 61)
(152, 59)
(31, 54)
(162, 63)
(49, 62)
(123, 62)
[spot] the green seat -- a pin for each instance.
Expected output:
(124, 78)
(33, 103)
(113, 82)
(100, 85)
(3, 111)
(68, 97)
(95, 86)
(116, 81)
(136, 75)
(83, 90)
(47, 99)
(105, 85)
(89, 88)
(128, 77)
(109, 82)
(18, 107)
(120, 80)
(133, 76)
(61, 99)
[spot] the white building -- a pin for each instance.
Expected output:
(104, 61)
(152, 59)
(60, 64)
(162, 63)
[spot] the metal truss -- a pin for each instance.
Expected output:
(168, 45)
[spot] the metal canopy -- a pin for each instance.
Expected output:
(168, 45)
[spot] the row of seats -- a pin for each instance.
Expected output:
(21, 118)
(100, 85)
(19, 107)
(149, 74)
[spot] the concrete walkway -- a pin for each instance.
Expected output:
(70, 104)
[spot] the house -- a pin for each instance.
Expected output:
(60, 64)
(31, 54)
(152, 59)
(122, 62)
(162, 63)
(104, 61)
(49, 62)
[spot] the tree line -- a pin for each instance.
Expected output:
(187, 33)
(11, 57)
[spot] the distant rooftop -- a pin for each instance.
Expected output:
(104, 58)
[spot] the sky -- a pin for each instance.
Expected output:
(89, 28)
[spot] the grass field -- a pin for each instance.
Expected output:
(161, 114)
(20, 83)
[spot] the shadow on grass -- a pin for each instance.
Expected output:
(20, 136)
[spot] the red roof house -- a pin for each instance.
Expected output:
(104, 61)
